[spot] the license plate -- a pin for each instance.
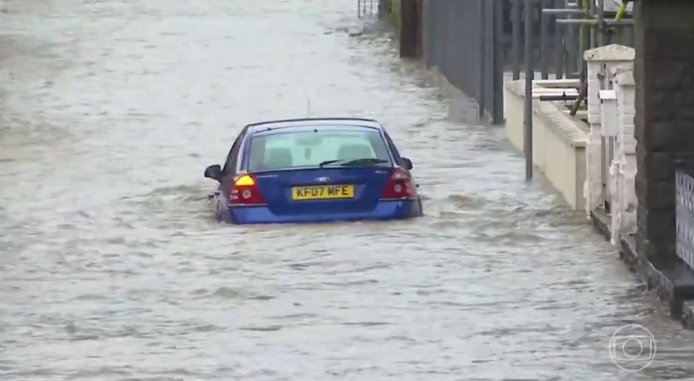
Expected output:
(329, 192)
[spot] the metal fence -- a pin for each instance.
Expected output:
(684, 208)
(468, 40)
(476, 44)
(685, 217)
(463, 40)
(562, 31)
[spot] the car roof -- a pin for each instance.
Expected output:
(328, 123)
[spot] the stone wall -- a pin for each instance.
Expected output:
(664, 73)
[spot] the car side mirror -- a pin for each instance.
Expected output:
(408, 163)
(214, 172)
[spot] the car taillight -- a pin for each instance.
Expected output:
(245, 192)
(400, 186)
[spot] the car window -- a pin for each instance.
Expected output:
(296, 149)
(393, 148)
(230, 165)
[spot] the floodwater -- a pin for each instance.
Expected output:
(114, 269)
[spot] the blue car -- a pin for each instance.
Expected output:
(314, 170)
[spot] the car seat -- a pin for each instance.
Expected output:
(277, 158)
(355, 151)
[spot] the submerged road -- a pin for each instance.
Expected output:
(112, 267)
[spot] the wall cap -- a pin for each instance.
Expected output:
(608, 53)
(562, 123)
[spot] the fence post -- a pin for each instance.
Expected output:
(559, 34)
(571, 42)
(420, 31)
(481, 78)
(409, 25)
(529, 75)
(426, 33)
(498, 62)
(544, 43)
(516, 32)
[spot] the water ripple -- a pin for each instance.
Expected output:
(113, 268)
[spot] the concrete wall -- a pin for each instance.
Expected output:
(558, 142)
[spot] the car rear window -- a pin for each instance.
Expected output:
(308, 148)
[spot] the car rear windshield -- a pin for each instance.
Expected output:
(309, 148)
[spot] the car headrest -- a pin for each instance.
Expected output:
(276, 158)
(354, 151)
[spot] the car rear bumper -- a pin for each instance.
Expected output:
(386, 210)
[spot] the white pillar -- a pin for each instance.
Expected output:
(600, 62)
(609, 127)
(626, 97)
(593, 188)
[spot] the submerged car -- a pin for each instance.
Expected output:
(314, 170)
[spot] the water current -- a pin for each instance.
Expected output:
(114, 269)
